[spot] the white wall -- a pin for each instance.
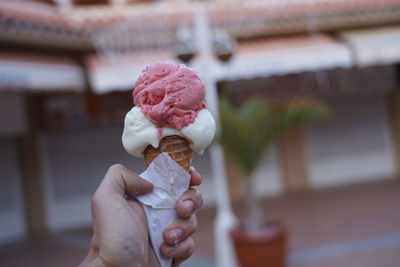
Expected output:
(352, 145)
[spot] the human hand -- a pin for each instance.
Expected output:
(120, 232)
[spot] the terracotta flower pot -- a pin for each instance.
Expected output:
(264, 248)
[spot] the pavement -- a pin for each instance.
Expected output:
(348, 226)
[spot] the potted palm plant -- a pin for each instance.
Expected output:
(247, 132)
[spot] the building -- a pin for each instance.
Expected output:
(66, 70)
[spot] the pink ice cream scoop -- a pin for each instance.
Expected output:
(169, 94)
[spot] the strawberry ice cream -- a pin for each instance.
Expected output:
(169, 94)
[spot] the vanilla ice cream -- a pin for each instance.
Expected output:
(139, 132)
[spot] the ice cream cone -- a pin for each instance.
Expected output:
(176, 147)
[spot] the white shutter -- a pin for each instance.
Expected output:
(74, 165)
(353, 144)
(12, 224)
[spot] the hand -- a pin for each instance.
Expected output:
(120, 232)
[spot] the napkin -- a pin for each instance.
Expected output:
(169, 181)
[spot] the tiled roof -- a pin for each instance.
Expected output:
(43, 23)
(33, 22)
(24, 21)
(247, 20)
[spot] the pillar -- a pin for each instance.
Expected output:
(293, 160)
(32, 185)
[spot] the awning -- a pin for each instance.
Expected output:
(252, 59)
(119, 72)
(39, 73)
(285, 55)
(374, 47)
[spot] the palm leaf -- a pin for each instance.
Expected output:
(247, 132)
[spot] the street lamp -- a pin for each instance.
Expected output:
(223, 46)
(184, 48)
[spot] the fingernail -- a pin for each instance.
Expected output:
(188, 205)
(175, 235)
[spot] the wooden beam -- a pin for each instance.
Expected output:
(31, 173)
(293, 161)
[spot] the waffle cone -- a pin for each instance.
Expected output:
(176, 147)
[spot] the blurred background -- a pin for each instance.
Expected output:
(67, 68)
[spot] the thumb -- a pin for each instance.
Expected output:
(120, 179)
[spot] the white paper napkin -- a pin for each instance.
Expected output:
(169, 181)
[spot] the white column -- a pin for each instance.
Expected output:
(225, 220)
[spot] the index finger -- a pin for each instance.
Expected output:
(120, 179)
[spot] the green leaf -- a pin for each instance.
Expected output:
(248, 132)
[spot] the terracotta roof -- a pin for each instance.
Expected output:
(33, 21)
(246, 19)
(36, 13)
